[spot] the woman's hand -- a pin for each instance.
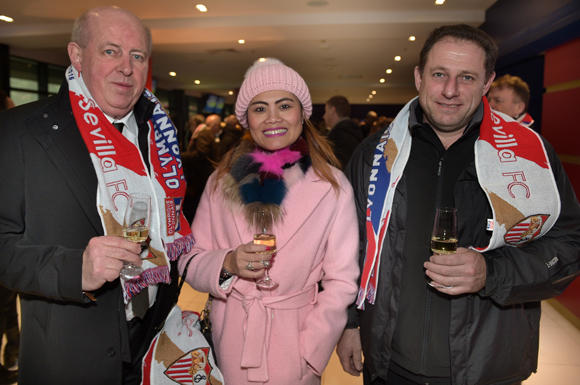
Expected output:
(246, 262)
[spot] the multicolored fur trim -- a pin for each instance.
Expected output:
(256, 178)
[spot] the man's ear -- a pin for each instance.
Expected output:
(75, 54)
(520, 106)
(487, 84)
(418, 78)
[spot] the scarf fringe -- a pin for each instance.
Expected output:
(180, 246)
(148, 277)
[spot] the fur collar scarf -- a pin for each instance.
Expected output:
(259, 180)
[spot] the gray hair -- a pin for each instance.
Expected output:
(81, 30)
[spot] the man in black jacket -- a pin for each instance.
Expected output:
(471, 317)
(344, 134)
(76, 328)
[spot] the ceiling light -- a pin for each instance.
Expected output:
(197, 82)
(368, 100)
(262, 59)
(173, 73)
(370, 96)
(411, 38)
(389, 71)
(242, 41)
(6, 19)
(397, 58)
(439, 2)
(201, 8)
(374, 92)
(230, 92)
(382, 80)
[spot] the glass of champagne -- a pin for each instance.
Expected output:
(136, 227)
(444, 235)
(264, 235)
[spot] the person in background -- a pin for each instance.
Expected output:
(382, 122)
(68, 164)
(8, 309)
(367, 124)
(284, 334)
(470, 315)
(232, 122)
(511, 95)
(345, 135)
(207, 149)
(194, 122)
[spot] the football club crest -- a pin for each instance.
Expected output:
(193, 368)
(526, 230)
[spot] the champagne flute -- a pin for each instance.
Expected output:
(444, 235)
(136, 227)
(263, 222)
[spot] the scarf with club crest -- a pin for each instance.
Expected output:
(120, 171)
(513, 170)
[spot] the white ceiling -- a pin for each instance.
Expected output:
(343, 47)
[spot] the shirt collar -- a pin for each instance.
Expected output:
(128, 120)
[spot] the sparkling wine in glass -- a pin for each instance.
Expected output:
(264, 235)
(136, 227)
(444, 235)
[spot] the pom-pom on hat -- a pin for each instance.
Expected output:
(271, 75)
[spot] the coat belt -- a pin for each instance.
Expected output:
(258, 323)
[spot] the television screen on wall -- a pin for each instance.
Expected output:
(214, 104)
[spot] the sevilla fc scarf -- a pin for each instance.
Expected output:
(512, 168)
(121, 171)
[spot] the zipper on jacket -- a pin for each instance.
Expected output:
(427, 320)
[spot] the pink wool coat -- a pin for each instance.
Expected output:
(285, 335)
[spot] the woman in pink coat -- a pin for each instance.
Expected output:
(285, 334)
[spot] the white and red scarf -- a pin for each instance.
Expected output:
(513, 170)
(120, 171)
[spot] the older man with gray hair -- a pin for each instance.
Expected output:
(69, 166)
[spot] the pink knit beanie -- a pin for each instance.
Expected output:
(271, 75)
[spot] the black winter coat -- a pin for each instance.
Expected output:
(494, 334)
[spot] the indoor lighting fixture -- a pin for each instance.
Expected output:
(262, 59)
(230, 92)
(242, 41)
(389, 71)
(397, 58)
(439, 2)
(197, 82)
(6, 19)
(411, 38)
(382, 80)
(172, 73)
(368, 100)
(370, 96)
(201, 8)
(374, 92)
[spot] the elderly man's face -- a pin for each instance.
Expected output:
(452, 84)
(114, 64)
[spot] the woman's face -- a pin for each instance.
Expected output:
(275, 119)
